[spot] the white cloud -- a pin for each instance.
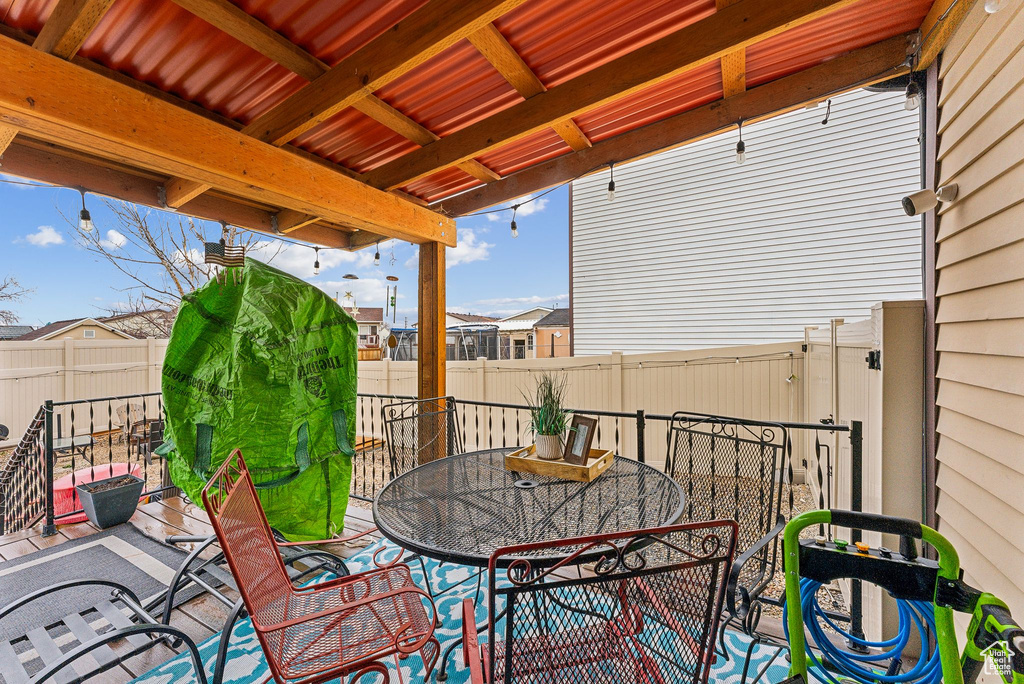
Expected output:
(45, 236)
(299, 259)
(469, 249)
(367, 291)
(506, 306)
(114, 240)
(527, 208)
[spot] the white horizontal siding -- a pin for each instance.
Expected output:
(697, 251)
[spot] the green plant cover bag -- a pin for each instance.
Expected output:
(265, 363)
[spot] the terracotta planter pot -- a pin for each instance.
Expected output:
(549, 447)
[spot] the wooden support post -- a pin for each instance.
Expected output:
(431, 365)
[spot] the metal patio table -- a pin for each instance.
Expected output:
(460, 509)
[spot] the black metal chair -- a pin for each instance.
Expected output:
(420, 430)
(736, 468)
(648, 612)
(37, 657)
(417, 431)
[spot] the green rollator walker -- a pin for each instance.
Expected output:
(927, 593)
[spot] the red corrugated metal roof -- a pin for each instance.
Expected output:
(157, 42)
(859, 25)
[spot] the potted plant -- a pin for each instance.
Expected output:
(548, 417)
(111, 501)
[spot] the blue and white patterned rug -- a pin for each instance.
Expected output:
(247, 666)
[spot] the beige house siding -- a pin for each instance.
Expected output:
(980, 300)
(550, 346)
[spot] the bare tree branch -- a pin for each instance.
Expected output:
(10, 291)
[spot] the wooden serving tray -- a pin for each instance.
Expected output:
(525, 461)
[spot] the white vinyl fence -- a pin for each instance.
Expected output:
(63, 370)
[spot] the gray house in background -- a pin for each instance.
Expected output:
(10, 332)
(698, 251)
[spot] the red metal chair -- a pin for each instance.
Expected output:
(323, 632)
(648, 612)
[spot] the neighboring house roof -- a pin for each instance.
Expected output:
(472, 318)
(142, 324)
(559, 318)
(51, 330)
(367, 314)
(10, 332)
(536, 313)
(502, 326)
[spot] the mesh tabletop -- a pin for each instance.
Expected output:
(462, 508)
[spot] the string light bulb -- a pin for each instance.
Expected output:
(611, 182)
(913, 100)
(515, 228)
(85, 223)
(741, 147)
(316, 261)
(376, 256)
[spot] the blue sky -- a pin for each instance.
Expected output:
(488, 273)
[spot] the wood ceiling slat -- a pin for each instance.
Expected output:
(730, 29)
(69, 24)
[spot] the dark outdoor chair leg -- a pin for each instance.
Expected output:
(778, 651)
(172, 589)
(123, 633)
(225, 640)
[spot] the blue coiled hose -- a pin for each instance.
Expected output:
(928, 669)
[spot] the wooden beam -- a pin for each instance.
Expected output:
(572, 134)
(69, 24)
(431, 329)
(425, 33)
(490, 42)
(383, 113)
(289, 221)
(6, 138)
(733, 28)
(938, 27)
(59, 102)
(874, 63)
(422, 35)
(496, 49)
(44, 162)
(237, 23)
(734, 64)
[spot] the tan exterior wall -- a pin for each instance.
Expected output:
(545, 336)
(980, 300)
(78, 333)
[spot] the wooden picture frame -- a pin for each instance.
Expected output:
(577, 444)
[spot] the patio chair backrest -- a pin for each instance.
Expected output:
(130, 414)
(732, 468)
(247, 541)
(650, 605)
(420, 430)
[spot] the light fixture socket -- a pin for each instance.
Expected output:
(85, 223)
(913, 96)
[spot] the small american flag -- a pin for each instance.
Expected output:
(224, 255)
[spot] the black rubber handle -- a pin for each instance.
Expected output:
(876, 523)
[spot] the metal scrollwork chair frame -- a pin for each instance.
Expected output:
(736, 468)
(648, 610)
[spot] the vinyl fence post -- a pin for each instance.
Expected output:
(857, 504)
(49, 528)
